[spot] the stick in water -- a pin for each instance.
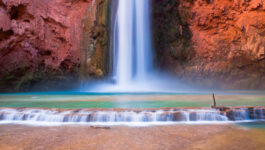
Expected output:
(214, 102)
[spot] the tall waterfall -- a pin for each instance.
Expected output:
(132, 44)
(133, 69)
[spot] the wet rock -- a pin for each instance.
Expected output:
(77, 110)
(193, 116)
(65, 118)
(2, 116)
(166, 116)
(251, 113)
(90, 118)
(25, 116)
(171, 116)
(178, 116)
(229, 115)
(258, 113)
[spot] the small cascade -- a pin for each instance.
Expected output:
(259, 113)
(11, 115)
(241, 114)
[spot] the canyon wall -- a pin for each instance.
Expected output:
(95, 42)
(214, 43)
(47, 44)
(42, 42)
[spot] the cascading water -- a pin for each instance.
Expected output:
(132, 44)
(134, 58)
(132, 69)
(129, 117)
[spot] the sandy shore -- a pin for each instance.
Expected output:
(195, 137)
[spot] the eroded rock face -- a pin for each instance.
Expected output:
(228, 41)
(46, 32)
(44, 39)
(95, 40)
(209, 42)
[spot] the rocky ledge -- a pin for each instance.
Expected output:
(219, 114)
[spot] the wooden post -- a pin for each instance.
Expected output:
(214, 102)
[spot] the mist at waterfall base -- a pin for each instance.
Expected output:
(156, 83)
(133, 69)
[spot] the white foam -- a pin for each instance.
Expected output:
(128, 124)
(53, 117)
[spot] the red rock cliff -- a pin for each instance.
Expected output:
(37, 32)
(42, 39)
(218, 43)
(210, 42)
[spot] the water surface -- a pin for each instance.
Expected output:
(127, 100)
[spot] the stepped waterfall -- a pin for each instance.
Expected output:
(129, 117)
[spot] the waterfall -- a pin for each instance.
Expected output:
(132, 58)
(132, 44)
(128, 117)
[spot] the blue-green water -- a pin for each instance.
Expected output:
(254, 125)
(103, 104)
(127, 100)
